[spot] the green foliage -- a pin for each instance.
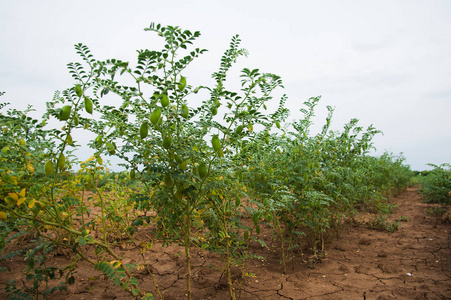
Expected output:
(381, 223)
(437, 211)
(38, 272)
(213, 172)
(436, 184)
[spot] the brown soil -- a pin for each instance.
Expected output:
(414, 262)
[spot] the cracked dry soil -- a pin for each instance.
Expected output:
(413, 262)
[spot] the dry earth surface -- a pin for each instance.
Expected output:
(413, 262)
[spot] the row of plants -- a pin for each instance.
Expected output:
(436, 184)
(211, 173)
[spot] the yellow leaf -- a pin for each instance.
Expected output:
(3, 215)
(31, 203)
(14, 196)
(22, 193)
(20, 201)
(30, 168)
(220, 196)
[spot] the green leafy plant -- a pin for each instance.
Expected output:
(175, 148)
(381, 223)
(436, 184)
(207, 165)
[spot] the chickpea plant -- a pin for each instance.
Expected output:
(175, 149)
(207, 165)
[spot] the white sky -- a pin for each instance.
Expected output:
(386, 63)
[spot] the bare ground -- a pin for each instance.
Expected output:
(414, 262)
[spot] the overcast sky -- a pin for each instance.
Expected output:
(386, 63)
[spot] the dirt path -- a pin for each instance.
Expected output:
(414, 262)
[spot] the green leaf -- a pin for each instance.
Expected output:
(81, 240)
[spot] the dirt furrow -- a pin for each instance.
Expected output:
(413, 262)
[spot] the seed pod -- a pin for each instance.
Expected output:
(48, 168)
(182, 84)
(76, 121)
(246, 235)
(22, 142)
(216, 143)
(183, 165)
(168, 180)
(202, 170)
(178, 159)
(5, 150)
(78, 90)
(98, 141)
(121, 130)
(143, 130)
(185, 111)
(257, 229)
(255, 218)
(69, 140)
(214, 110)
(88, 178)
(251, 127)
(179, 193)
(237, 201)
(239, 129)
(277, 124)
(61, 162)
(167, 142)
(164, 100)
(132, 174)
(88, 105)
(111, 148)
(65, 113)
(155, 116)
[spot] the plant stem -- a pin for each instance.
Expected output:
(151, 274)
(188, 256)
(282, 242)
(228, 272)
(102, 210)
